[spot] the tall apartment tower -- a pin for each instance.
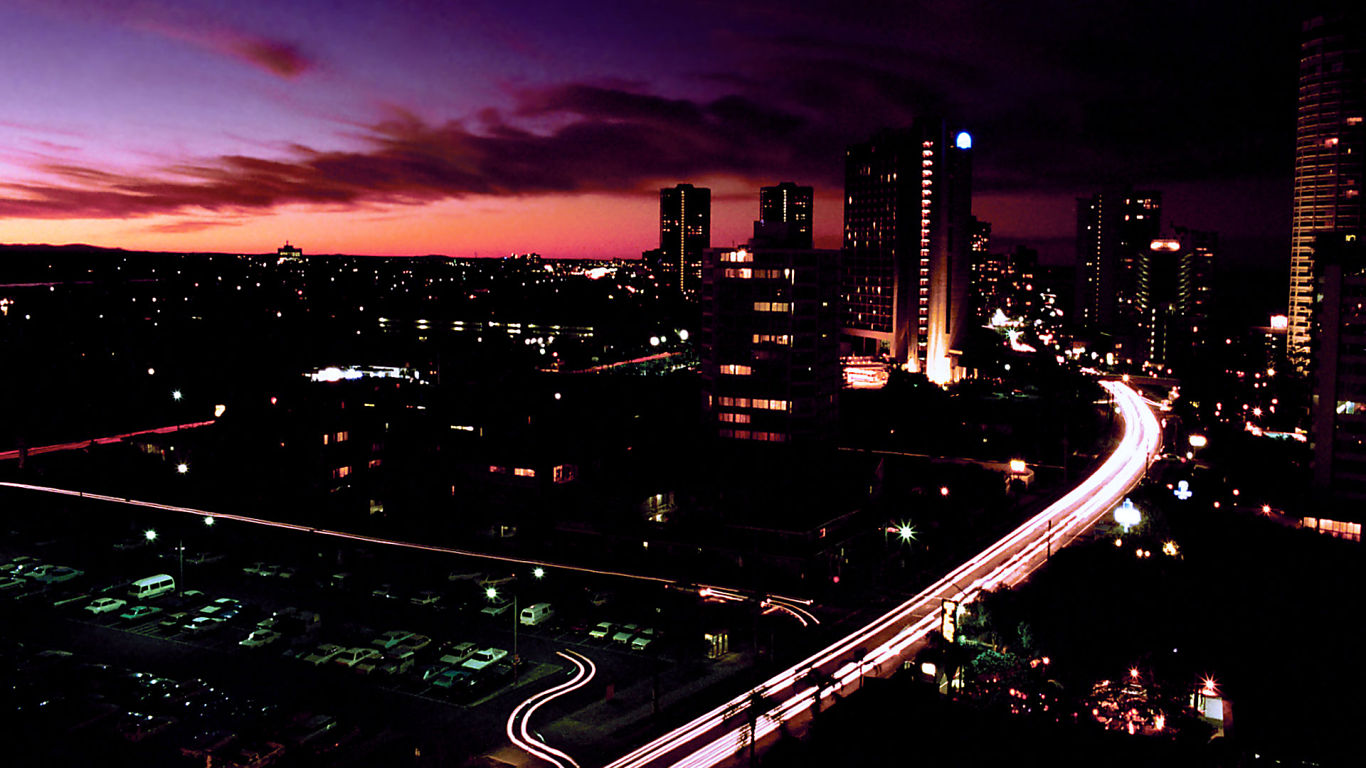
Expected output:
(906, 265)
(1113, 228)
(1330, 139)
(770, 343)
(787, 207)
(684, 233)
(1173, 300)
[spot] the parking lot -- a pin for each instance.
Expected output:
(383, 645)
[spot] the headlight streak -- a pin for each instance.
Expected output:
(518, 732)
(1071, 515)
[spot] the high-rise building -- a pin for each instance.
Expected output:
(684, 232)
(770, 343)
(1338, 405)
(1173, 297)
(986, 270)
(906, 266)
(1330, 139)
(1113, 228)
(787, 208)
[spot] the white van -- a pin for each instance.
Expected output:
(152, 586)
(536, 614)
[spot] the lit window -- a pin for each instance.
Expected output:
(524, 472)
(374, 463)
(341, 472)
(495, 469)
(736, 370)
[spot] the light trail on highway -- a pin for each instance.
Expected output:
(77, 445)
(518, 731)
(714, 736)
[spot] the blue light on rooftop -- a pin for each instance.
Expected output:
(963, 140)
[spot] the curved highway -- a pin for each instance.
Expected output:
(880, 647)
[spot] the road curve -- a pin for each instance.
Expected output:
(519, 732)
(882, 645)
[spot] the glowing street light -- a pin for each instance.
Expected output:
(150, 534)
(1198, 441)
(182, 468)
(538, 572)
(208, 520)
(1127, 515)
(176, 395)
(906, 531)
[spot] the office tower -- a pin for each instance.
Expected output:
(1338, 406)
(986, 271)
(905, 270)
(1113, 228)
(770, 343)
(786, 209)
(684, 232)
(1173, 297)
(1328, 153)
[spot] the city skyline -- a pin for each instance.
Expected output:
(200, 127)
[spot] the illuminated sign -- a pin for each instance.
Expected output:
(1165, 244)
(949, 622)
(963, 140)
(1127, 515)
(1280, 322)
(1182, 492)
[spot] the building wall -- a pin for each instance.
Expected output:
(1330, 139)
(907, 263)
(1113, 228)
(684, 232)
(770, 344)
(787, 203)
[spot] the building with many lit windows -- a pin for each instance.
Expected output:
(684, 232)
(1338, 404)
(789, 205)
(770, 343)
(1173, 297)
(1330, 139)
(1113, 228)
(906, 270)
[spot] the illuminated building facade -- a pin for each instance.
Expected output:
(770, 343)
(1330, 139)
(1338, 404)
(790, 205)
(1113, 228)
(1174, 295)
(986, 271)
(684, 232)
(906, 265)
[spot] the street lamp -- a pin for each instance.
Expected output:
(492, 594)
(176, 395)
(182, 468)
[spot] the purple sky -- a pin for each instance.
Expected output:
(418, 126)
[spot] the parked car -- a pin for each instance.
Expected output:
(11, 583)
(172, 621)
(426, 597)
(105, 605)
(256, 569)
(603, 629)
(497, 609)
(536, 613)
(452, 677)
(59, 574)
(483, 658)
(323, 654)
(19, 564)
(201, 624)
(222, 607)
(353, 656)
(259, 638)
(391, 638)
(384, 592)
(456, 653)
(643, 640)
(413, 643)
(432, 671)
(398, 662)
(139, 612)
(624, 633)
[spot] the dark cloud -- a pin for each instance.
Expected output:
(276, 57)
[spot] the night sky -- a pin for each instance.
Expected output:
(427, 126)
